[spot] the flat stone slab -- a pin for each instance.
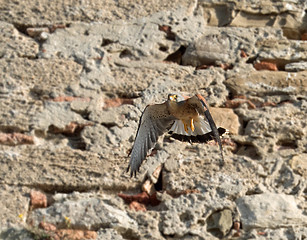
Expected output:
(262, 83)
(224, 45)
(34, 12)
(38, 77)
(61, 170)
(85, 213)
(269, 210)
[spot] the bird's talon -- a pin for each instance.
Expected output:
(192, 125)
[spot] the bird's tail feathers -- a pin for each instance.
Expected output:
(201, 128)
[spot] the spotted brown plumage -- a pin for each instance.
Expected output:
(186, 118)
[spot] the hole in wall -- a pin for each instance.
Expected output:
(176, 56)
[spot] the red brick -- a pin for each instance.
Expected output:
(38, 199)
(266, 66)
(14, 139)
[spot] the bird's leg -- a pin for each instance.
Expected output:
(192, 125)
(186, 127)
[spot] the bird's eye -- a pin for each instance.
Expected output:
(175, 96)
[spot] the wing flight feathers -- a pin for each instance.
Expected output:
(212, 125)
(154, 121)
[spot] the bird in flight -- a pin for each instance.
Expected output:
(185, 118)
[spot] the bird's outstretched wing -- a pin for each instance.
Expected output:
(155, 121)
(215, 131)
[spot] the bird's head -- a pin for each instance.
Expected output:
(176, 97)
(172, 97)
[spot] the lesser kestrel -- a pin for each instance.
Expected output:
(187, 119)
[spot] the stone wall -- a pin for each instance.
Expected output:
(75, 77)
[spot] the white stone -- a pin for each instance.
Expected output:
(269, 210)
